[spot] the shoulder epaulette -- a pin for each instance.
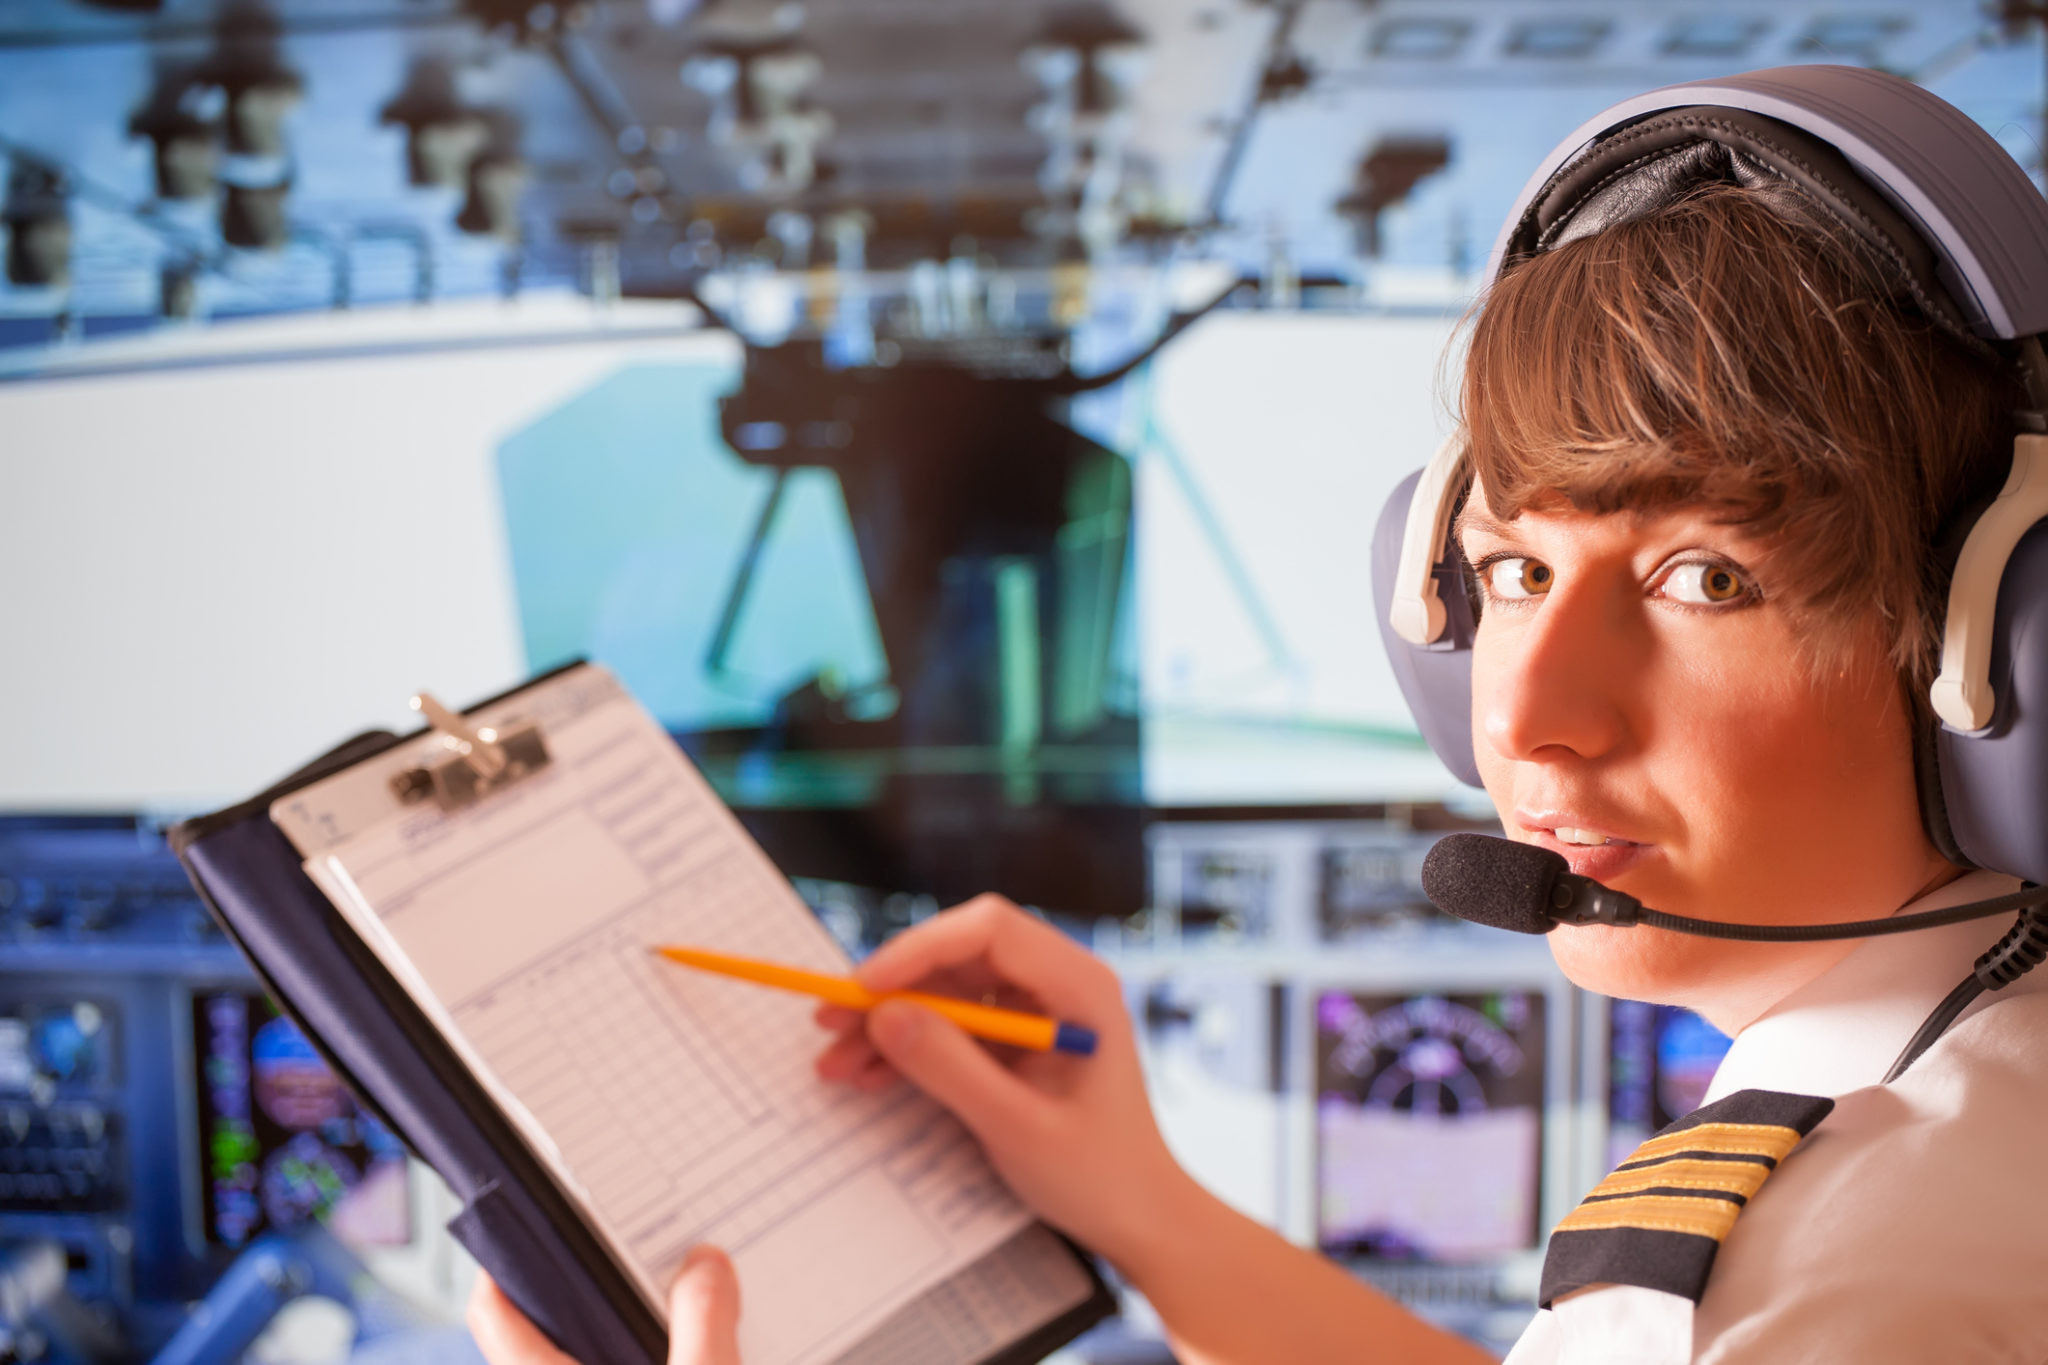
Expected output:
(1658, 1220)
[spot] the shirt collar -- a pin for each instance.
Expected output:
(1842, 1030)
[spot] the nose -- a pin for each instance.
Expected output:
(1548, 684)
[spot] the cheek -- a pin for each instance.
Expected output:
(1775, 779)
(1729, 714)
(1490, 669)
(1718, 751)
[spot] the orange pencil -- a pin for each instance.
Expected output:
(983, 1021)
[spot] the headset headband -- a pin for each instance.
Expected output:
(1942, 209)
(1964, 194)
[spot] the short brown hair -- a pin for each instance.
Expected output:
(1732, 351)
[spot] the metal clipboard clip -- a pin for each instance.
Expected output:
(476, 763)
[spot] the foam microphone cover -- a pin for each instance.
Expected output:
(1495, 882)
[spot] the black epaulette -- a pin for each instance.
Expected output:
(1658, 1220)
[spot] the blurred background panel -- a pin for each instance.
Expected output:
(961, 421)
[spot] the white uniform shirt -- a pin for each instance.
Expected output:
(1912, 1225)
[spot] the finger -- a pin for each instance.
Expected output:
(844, 1057)
(962, 935)
(838, 1018)
(1021, 950)
(503, 1333)
(875, 1077)
(932, 1053)
(704, 1311)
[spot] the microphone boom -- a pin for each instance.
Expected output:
(1504, 884)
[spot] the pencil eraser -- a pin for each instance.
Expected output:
(1075, 1039)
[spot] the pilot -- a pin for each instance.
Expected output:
(1716, 434)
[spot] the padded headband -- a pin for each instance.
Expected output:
(1633, 172)
(1979, 216)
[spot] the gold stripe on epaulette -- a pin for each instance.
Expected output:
(1723, 1139)
(1701, 1216)
(1729, 1177)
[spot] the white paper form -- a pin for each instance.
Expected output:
(677, 1107)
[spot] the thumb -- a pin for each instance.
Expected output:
(704, 1311)
(936, 1055)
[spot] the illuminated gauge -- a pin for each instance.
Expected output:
(304, 1180)
(1427, 1055)
(293, 1086)
(67, 1043)
(1429, 1114)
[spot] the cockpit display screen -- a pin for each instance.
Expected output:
(1429, 1124)
(282, 1141)
(1661, 1059)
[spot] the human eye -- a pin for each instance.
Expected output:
(1706, 583)
(1512, 577)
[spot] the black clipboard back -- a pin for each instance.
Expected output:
(515, 1221)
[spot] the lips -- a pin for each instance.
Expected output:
(1590, 850)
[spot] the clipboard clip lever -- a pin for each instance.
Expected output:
(474, 762)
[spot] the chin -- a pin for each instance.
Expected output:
(1638, 963)
(1727, 983)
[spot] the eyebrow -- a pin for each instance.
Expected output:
(1473, 517)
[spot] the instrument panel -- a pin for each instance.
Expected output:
(282, 1141)
(157, 1114)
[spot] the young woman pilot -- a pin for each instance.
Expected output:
(1721, 419)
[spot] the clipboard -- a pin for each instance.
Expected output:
(532, 1230)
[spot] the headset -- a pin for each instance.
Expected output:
(1963, 234)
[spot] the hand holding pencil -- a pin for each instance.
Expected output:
(1014, 1027)
(1075, 1140)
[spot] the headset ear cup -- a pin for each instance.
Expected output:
(1436, 679)
(1928, 731)
(1993, 783)
(1927, 751)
